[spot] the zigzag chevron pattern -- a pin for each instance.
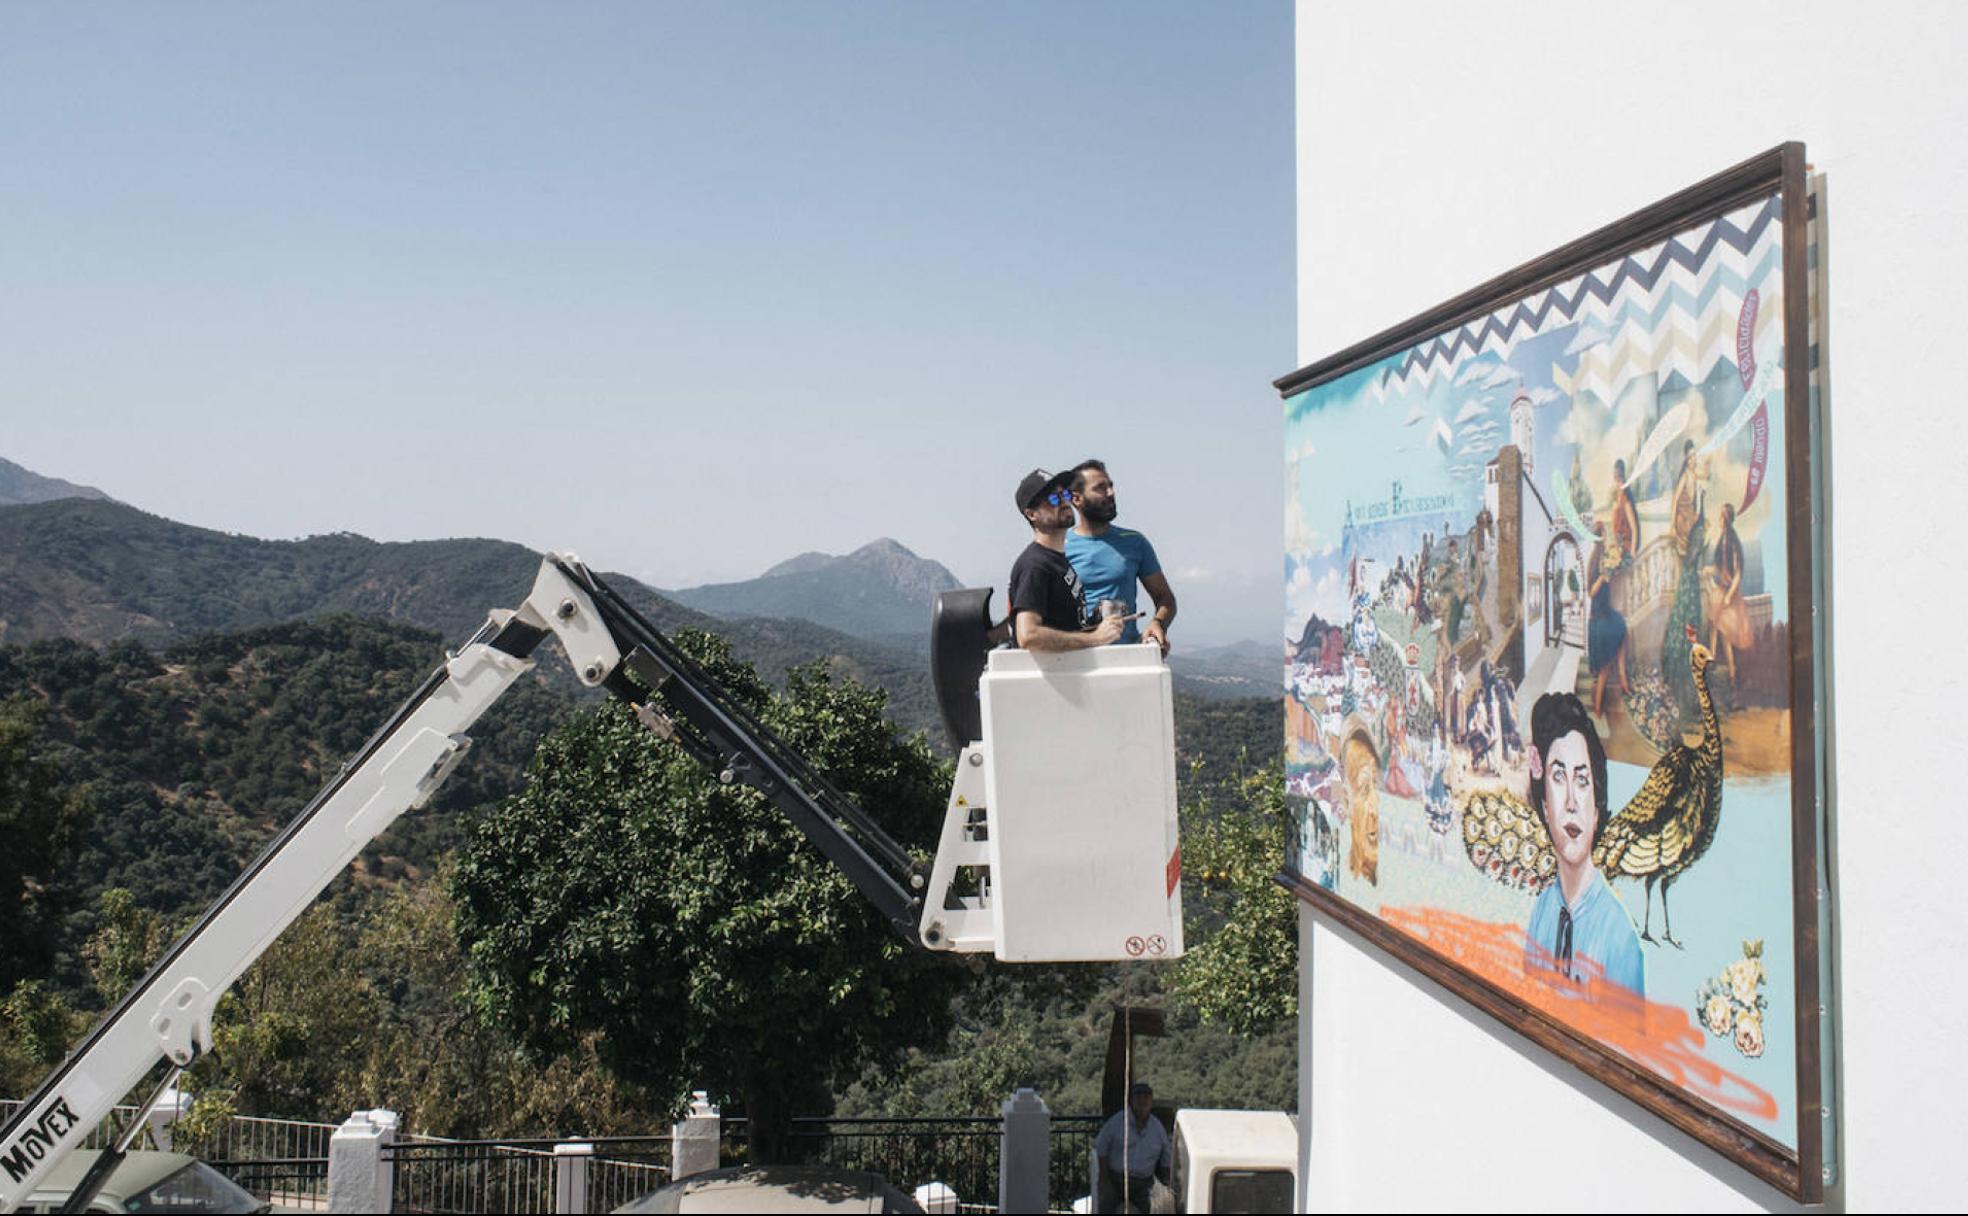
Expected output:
(1667, 308)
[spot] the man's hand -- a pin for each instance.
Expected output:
(1109, 630)
(1157, 633)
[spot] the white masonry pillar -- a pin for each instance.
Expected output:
(571, 1161)
(1025, 1160)
(361, 1177)
(694, 1138)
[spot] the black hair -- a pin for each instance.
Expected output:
(1556, 715)
(1080, 472)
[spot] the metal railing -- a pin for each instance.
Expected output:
(498, 1176)
(1072, 1159)
(289, 1183)
(625, 1168)
(961, 1152)
(284, 1161)
(472, 1175)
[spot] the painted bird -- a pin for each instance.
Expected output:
(1671, 821)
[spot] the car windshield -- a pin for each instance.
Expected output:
(195, 1188)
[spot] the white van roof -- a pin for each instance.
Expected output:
(1263, 1138)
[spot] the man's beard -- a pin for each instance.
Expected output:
(1101, 513)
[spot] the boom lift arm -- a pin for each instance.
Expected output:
(169, 1013)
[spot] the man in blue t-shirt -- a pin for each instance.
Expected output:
(1110, 560)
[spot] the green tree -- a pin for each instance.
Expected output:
(127, 941)
(444, 1069)
(40, 818)
(1244, 973)
(36, 1028)
(290, 1037)
(686, 926)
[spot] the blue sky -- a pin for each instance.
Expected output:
(688, 289)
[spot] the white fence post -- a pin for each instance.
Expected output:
(171, 1106)
(361, 1177)
(1025, 1159)
(571, 1161)
(694, 1138)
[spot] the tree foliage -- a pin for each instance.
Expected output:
(41, 817)
(1244, 973)
(625, 894)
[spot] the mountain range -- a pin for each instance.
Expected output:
(101, 571)
(76, 563)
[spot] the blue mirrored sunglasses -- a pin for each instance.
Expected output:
(1060, 498)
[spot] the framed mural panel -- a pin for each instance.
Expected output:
(1553, 628)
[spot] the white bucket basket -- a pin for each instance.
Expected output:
(1061, 842)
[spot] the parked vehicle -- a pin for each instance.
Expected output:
(1235, 1161)
(146, 1181)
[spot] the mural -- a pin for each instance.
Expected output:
(1538, 656)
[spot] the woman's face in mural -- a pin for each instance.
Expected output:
(1571, 813)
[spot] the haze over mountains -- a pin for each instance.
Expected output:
(19, 485)
(76, 563)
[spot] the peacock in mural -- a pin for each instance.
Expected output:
(1667, 826)
(1661, 831)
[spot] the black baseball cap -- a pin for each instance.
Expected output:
(1036, 483)
(1141, 1087)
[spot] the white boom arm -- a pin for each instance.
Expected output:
(169, 1015)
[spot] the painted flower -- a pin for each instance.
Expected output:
(1718, 1014)
(1745, 977)
(1749, 1033)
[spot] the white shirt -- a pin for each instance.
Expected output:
(1147, 1146)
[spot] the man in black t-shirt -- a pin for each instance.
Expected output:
(1046, 609)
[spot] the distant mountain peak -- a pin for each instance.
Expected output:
(20, 486)
(881, 589)
(803, 563)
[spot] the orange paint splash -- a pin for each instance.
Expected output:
(1659, 1037)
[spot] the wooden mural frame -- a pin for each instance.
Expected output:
(1804, 1172)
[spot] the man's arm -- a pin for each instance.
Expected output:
(1034, 634)
(1158, 588)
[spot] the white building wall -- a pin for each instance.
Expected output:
(1441, 144)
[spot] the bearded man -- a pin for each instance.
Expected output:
(1110, 561)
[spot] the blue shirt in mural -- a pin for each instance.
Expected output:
(1110, 565)
(1601, 931)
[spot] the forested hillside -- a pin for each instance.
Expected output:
(146, 760)
(100, 571)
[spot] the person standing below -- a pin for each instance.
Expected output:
(1110, 560)
(1048, 611)
(1132, 1145)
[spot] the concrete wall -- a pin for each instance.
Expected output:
(1441, 144)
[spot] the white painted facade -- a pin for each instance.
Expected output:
(1441, 144)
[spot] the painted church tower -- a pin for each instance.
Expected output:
(1521, 434)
